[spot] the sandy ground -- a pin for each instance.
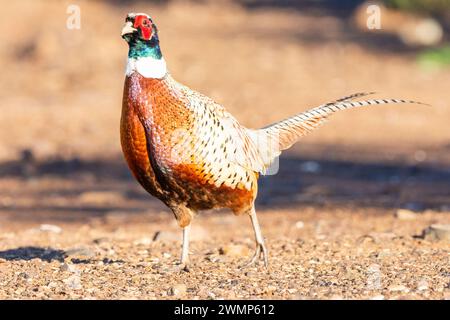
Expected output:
(74, 224)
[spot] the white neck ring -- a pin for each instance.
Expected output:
(148, 67)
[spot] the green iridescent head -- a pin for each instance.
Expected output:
(141, 35)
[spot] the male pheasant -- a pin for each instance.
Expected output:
(190, 153)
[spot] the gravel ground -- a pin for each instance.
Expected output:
(75, 225)
(317, 254)
(109, 245)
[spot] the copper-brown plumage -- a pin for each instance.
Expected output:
(188, 183)
(187, 151)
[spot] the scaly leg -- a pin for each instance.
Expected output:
(260, 246)
(184, 217)
(185, 250)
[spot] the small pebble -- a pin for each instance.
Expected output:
(291, 291)
(437, 232)
(50, 228)
(234, 250)
(81, 251)
(422, 285)
(69, 268)
(143, 241)
(405, 214)
(299, 224)
(73, 282)
(177, 290)
(398, 287)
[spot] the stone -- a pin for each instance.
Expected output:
(251, 273)
(81, 251)
(437, 232)
(143, 241)
(405, 214)
(234, 250)
(73, 282)
(291, 290)
(68, 267)
(177, 290)
(422, 285)
(299, 224)
(382, 236)
(384, 253)
(269, 290)
(50, 228)
(398, 287)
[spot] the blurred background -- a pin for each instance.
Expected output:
(61, 167)
(264, 60)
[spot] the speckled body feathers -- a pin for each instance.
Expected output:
(181, 147)
(186, 150)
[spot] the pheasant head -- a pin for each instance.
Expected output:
(144, 55)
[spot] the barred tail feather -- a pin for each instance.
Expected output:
(288, 131)
(349, 97)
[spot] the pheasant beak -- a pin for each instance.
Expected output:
(128, 28)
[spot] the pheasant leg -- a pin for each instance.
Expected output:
(260, 246)
(184, 261)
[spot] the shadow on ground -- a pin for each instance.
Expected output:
(48, 255)
(29, 253)
(301, 181)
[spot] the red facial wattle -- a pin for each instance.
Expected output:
(143, 23)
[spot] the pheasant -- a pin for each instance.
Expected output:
(188, 151)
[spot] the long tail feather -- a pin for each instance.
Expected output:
(288, 131)
(349, 97)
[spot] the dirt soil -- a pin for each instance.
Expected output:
(75, 225)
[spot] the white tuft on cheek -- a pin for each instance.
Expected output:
(148, 67)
